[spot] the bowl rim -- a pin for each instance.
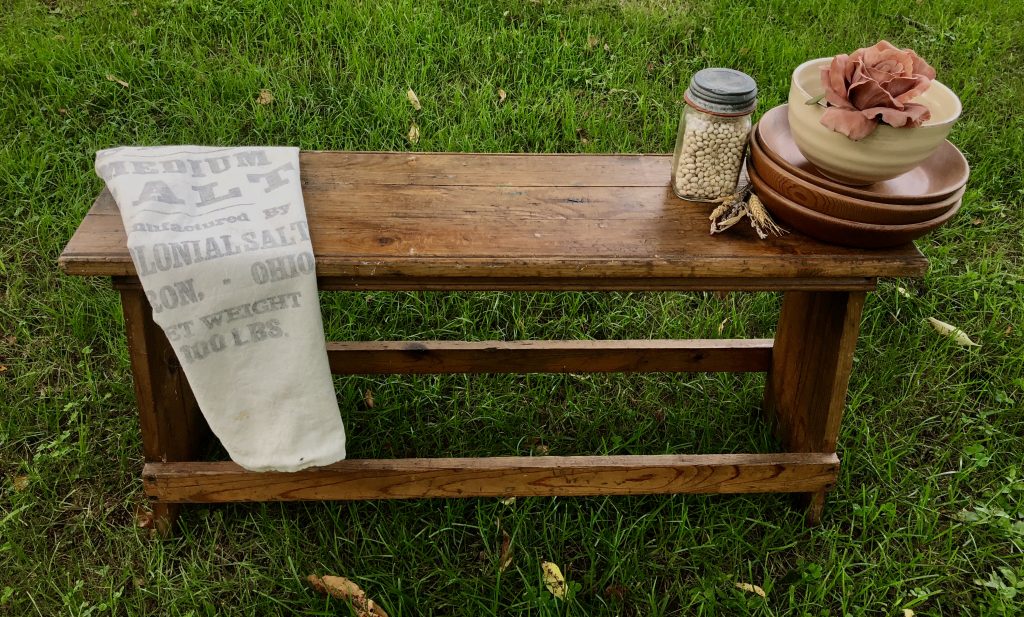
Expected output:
(822, 218)
(854, 191)
(852, 201)
(815, 62)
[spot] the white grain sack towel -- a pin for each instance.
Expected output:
(220, 242)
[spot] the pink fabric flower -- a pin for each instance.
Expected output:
(872, 85)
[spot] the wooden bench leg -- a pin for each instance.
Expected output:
(805, 391)
(173, 428)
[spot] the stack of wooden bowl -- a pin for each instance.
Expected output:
(884, 214)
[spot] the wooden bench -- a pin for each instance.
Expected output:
(450, 222)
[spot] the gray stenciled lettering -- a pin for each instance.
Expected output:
(179, 330)
(164, 256)
(272, 177)
(219, 164)
(144, 167)
(256, 158)
(157, 190)
(282, 268)
(174, 167)
(197, 351)
(270, 213)
(168, 297)
(269, 304)
(256, 332)
(207, 197)
(176, 227)
(112, 170)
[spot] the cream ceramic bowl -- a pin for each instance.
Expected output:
(886, 153)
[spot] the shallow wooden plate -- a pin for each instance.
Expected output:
(821, 199)
(840, 231)
(938, 177)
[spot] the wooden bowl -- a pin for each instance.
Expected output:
(939, 176)
(839, 231)
(822, 200)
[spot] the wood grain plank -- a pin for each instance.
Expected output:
(632, 356)
(532, 218)
(805, 391)
(495, 477)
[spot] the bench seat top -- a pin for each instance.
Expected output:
(522, 221)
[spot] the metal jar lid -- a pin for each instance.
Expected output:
(722, 91)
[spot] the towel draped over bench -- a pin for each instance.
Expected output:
(219, 240)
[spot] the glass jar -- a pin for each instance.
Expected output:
(713, 131)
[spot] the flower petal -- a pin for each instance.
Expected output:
(867, 94)
(920, 66)
(906, 89)
(853, 124)
(833, 79)
(911, 116)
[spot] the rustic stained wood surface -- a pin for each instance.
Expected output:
(637, 356)
(496, 477)
(473, 221)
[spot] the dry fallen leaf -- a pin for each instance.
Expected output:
(144, 518)
(607, 47)
(505, 559)
(592, 41)
(750, 588)
(501, 95)
(541, 450)
(952, 332)
(553, 579)
(3, 368)
(120, 82)
(908, 613)
(368, 398)
(615, 592)
(508, 501)
(414, 133)
(20, 483)
(415, 100)
(265, 97)
(344, 589)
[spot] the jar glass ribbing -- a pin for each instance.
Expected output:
(713, 131)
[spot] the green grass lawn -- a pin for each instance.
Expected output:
(928, 513)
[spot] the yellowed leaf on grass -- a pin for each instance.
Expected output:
(20, 483)
(505, 559)
(344, 589)
(414, 133)
(541, 450)
(265, 97)
(721, 326)
(3, 368)
(117, 81)
(415, 100)
(508, 501)
(952, 332)
(144, 517)
(903, 292)
(368, 398)
(592, 41)
(553, 579)
(908, 612)
(502, 95)
(750, 588)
